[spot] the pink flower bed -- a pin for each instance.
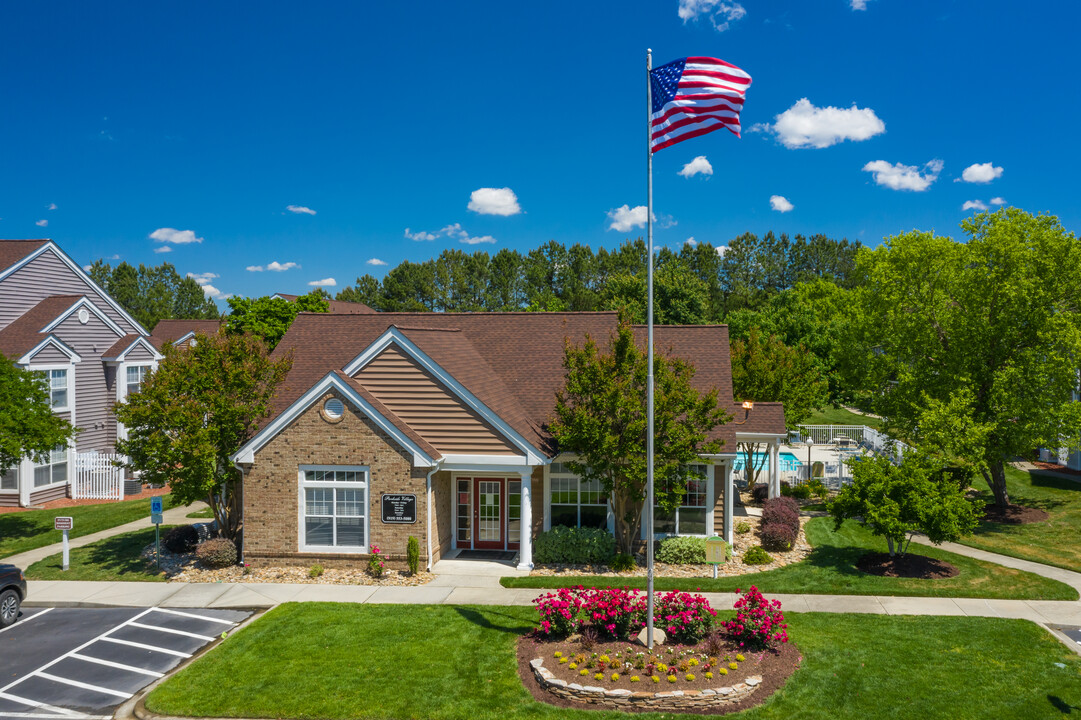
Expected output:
(620, 613)
(759, 622)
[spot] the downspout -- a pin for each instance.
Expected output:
(428, 505)
(240, 490)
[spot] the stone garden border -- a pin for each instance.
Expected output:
(620, 699)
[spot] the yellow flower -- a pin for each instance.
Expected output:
(739, 657)
(692, 662)
(634, 678)
(709, 675)
(562, 660)
(690, 677)
(598, 676)
(656, 679)
(558, 654)
(662, 667)
(671, 678)
(605, 659)
(722, 671)
(572, 666)
(615, 676)
(583, 672)
(733, 666)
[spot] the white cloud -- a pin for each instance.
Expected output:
(722, 249)
(494, 201)
(904, 177)
(699, 165)
(804, 125)
(42, 223)
(325, 282)
(52, 206)
(858, 4)
(163, 249)
(722, 14)
(450, 231)
(174, 236)
(981, 173)
(273, 267)
(209, 290)
(299, 210)
(376, 261)
(780, 203)
(690, 241)
(974, 205)
(998, 201)
(625, 218)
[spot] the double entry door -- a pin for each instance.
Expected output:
(489, 513)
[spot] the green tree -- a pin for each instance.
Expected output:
(150, 294)
(28, 427)
(200, 405)
(367, 290)
(600, 417)
(679, 297)
(896, 502)
(989, 328)
(269, 317)
(764, 369)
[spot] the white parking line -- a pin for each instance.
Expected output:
(118, 666)
(144, 646)
(84, 686)
(193, 615)
(185, 633)
(27, 619)
(44, 706)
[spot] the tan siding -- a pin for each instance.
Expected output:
(93, 396)
(44, 496)
(49, 355)
(138, 354)
(48, 275)
(9, 499)
(427, 406)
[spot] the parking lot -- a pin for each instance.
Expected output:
(81, 663)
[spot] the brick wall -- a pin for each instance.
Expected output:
(272, 491)
(443, 510)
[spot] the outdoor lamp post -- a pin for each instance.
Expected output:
(810, 468)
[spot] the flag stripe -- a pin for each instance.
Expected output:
(694, 96)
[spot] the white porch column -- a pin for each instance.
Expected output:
(525, 544)
(26, 481)
(729, 501)
(774, 470)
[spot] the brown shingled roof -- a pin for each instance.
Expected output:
(765, 417)
(512, 362)
(12, 251)
(120, 346)
(340, 307)
(167, 331)
(24, 333)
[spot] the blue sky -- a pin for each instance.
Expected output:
(133, 127)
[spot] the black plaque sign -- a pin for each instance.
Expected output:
(399, 509)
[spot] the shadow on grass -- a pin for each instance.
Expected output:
(1050, 481)
(118, 556)
(13, 525)
(1061, 705)
(483, 620)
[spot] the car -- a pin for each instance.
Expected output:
(12, 593)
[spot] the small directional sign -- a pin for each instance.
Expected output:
(63, 523)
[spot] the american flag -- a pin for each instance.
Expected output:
(693, 96)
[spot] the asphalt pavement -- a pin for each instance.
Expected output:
(81, 663)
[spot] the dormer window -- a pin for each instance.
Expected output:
(58, 389)
(136, 374)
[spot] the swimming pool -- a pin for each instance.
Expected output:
(786, 461)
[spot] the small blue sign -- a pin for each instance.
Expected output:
(155, 518)
(155, 505)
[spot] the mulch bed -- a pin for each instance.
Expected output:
(1014, 514)
(70, 502)
(1055, 467)
(775, 667)
(908, 565)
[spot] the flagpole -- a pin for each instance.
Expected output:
(649, 376)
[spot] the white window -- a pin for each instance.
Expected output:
(334, 509)
(10, 480)
(136, 374)
(576, 502)
(690, 517)
(58, 389)
(54, 469)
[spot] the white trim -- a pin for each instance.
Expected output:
(246, 454)
(57, 343)
(477, 468)
(364, 485)
(394, 335)
(84, 301)
(74, 267)
(120, 356)
(760, 437)
(190, 335)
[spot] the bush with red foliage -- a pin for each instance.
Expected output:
(778, 537)
(759, 622)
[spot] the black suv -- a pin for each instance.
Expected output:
(12, 593)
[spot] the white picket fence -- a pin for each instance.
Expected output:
(854, 437)
(97, 477)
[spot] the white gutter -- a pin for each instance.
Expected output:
(428, 504)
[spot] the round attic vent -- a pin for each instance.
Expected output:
(333, 408)
(84, 316)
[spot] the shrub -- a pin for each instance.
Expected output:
(742, 528)
(614, 612)
(316, 571)
(760, 492)
(759, 623)
(623, 562)
(574, 545)
(783, 511)
(800, 492)
(412, 553)
(588, 639)
(777, 537)
(818, 488)
(684, 616)
(217, 553)
(560, 612)
(756, 556)
(682, 550)
(375, 563)
(181, 539)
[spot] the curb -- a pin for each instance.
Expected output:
(134, 708)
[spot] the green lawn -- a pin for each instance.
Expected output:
(115, 558)
(203, 514)
(831, 570)
(339, 661)
(1054, 542)
(839, 416)
(22, 531)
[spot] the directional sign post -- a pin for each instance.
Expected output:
(64, 524)
(155, 517)
(716, 551)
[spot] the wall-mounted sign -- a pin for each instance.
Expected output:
(399, 509)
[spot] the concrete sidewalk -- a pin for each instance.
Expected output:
(174, 516)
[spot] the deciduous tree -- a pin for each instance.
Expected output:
(269, 317)
(28, 426)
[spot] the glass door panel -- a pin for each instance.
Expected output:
(489, 514)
